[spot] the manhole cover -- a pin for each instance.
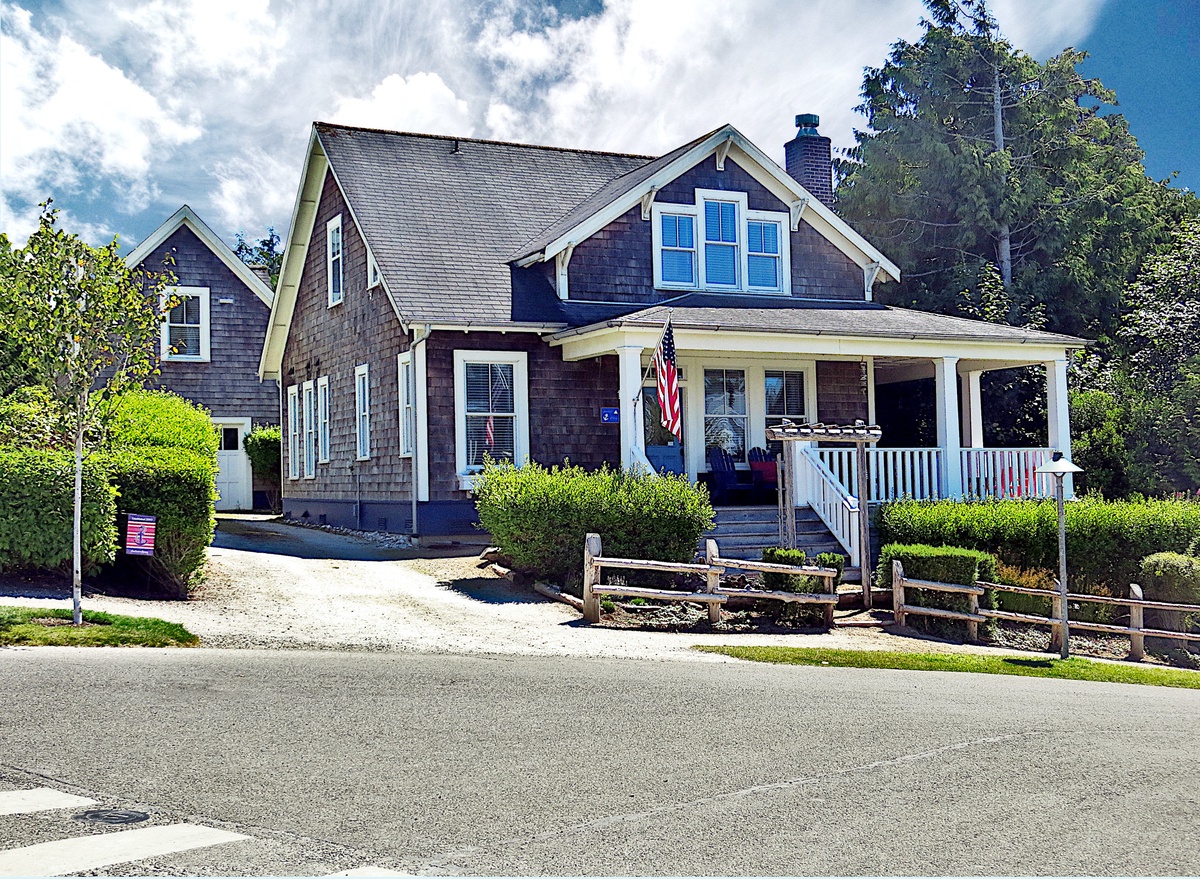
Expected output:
(112, 816)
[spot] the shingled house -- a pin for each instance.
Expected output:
(445, 298)
(211, 341)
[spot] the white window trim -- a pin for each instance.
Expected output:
(362, 405)
(309, 410)
(293, 415)
(520, 362)
(205, 355)
(404, 402)
(374, 276)
(323, 419)
(335, 223)
(696, 211)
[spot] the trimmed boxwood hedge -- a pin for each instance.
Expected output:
(141, 419)
(539, 516)
(941, 564)
(37, 500)
(1106, 540)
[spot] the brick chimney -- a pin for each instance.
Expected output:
(809, 158)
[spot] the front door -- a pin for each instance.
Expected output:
(663, 450)
(234, 480)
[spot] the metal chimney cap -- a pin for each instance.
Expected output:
(808, 122)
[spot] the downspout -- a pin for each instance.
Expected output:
(420, 334)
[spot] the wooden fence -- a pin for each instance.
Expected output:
(715, 593)
(1059, 620)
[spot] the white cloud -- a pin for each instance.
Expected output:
(254, 192)
(421, 102)
(1047, 27)
(69, 120)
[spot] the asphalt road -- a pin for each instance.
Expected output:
(515, 765)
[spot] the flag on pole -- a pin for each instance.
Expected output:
(667, 373)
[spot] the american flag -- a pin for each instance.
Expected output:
(491, 432)
(667, 373)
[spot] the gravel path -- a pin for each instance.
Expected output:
(273, 586)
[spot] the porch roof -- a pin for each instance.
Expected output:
(761, 314)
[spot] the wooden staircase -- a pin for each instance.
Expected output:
(744, 532)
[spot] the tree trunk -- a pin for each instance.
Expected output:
(77, 524)
(1004, 236)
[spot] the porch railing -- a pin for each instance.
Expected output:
(920, 473)
(1005, 473)
(830, 500)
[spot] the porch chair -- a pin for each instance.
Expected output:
(723, 477)
(764, 472)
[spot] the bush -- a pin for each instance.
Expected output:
(540, 516)
(799, 614)
(941, 564)
(264, 446)
(1171, 576)
(30, 418)
(160, 418)
(1106, 540)
(1033, 578)
(37, 499)
(177, 487)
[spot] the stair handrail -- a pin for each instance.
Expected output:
(833, 503)
(639, 461)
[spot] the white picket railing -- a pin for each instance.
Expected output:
(894, 473)
(1005, 473)
(830, 499)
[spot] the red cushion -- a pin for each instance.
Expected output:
(765, 468)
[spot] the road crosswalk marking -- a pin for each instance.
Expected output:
(98, 850)
(39, 799)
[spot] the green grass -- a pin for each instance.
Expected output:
(19, 627)
(1073, 669)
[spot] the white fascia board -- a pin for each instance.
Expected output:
(185, 216)
(295, 250)
(495, 328)
(606, 340)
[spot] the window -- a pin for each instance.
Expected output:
(725, 411)
(293, 415)
(362, 411)
(785, 399)
(310, 433)
(373, 276)
(323, 420)
(741, 249)
(491, 403)
(229, 439)
(405, 396)
(334, 259)
(185, 332)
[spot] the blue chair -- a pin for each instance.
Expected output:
(724, 481)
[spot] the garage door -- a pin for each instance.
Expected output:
(234, 479)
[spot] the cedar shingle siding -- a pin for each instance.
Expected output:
(841, 393)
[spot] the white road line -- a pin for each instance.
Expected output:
(105, 849)
(38, 799)
(369, 872)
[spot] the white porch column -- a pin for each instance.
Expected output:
(945, 374)
(1058, 419)
(972, 410)
(629, 367)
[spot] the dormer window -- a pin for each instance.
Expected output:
(741, 250)
(333, 260)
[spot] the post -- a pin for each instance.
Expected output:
(827, 615)
(712, 578)
(1062, 563)
(864, 520)
(629, 368)
(973, 625)
(591, 604)
(1137, 641)
(945, 374)
(789, 506)
(1064, 630)
(1058, 415)
(1056, 613)
(898, 592)
(781, 493)
(972, 410)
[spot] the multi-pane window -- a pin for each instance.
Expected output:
(491, 413)
(677, 253)
(185, 332)
(310, 432)
(405, 396)
(785, 399)
(293, 415)
(323, 420)
(334, 259)
(763, 254)
(229, 439)
(725, 411)
(362, 411)
(721, 243)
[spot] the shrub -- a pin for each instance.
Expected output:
(540, 516)
(1171, 576)
(264, 446)
(1032, 578)
(799, 614)
(37, 498)
(160, 418)
(31, 418)
(1106, 540)
(941, 564)
(177, 487)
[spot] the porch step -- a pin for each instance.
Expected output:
(744, 532)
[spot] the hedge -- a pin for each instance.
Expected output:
(177, 486)
(1106, 540)
(800, 614)
(37, 500)
(941, 564)
(264, 446)
(539, 516)
(160, 419)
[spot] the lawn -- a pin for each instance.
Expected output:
(51, 627)
(1067, 669)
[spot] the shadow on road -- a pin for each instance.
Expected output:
(254, 534)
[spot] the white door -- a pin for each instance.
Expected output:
(235, 486)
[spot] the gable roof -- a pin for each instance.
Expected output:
(185, 216)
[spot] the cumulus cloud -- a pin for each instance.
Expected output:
(421, 102)
(254, 191)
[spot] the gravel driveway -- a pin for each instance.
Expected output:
(274, 586)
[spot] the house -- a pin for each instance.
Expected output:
(445, 298)
(211, 341)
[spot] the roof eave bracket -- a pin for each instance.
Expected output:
(796, 211)
(870, 273)
(562, 260)
(723, 152)
(648, 202)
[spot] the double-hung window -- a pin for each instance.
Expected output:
(491, 407)
(334, 260)
(718, 243)
(362, 411)
(185, 332)
(323, 420)
(293, 416)
(310, 432)
(784, 399)
(405, 398)
(725, 413)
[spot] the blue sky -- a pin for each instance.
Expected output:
(124, 109)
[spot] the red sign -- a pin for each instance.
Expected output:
(139, 535)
